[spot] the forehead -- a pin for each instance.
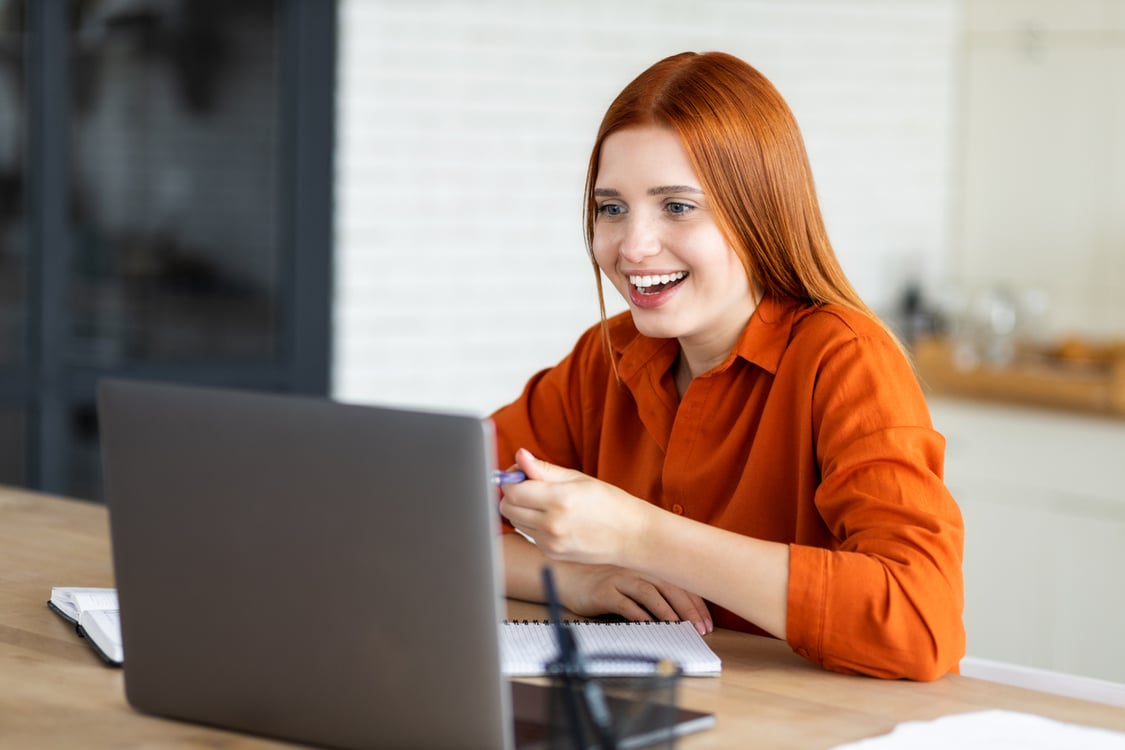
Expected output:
(644, 156)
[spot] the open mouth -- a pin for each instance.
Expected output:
(656, 283)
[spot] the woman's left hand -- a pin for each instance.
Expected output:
(572, 516)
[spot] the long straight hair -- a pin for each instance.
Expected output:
(747, 150)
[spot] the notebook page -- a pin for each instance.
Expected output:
(527, 646)
(88, 599)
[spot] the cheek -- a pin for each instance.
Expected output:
(739, 278)
(604, 249)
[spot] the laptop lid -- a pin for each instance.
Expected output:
(304, 569)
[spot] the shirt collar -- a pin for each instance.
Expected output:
(762, 342)
(767, 335)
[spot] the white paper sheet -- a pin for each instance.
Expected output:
(999, 730)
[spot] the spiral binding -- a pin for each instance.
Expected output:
(592, 622)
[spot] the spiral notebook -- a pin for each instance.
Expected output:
(527, 645)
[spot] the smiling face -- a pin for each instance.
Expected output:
(656, 239)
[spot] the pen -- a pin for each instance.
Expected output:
(501, 478)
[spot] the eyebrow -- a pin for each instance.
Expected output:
(659, 190)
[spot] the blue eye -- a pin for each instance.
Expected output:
(675, 207)
(611, 209)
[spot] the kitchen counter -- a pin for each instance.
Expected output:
(1088, 385)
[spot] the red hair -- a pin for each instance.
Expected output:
(747, 151)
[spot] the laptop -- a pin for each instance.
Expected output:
(312, 571)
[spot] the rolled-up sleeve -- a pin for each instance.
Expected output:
(886, 597)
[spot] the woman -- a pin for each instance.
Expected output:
(746, 446)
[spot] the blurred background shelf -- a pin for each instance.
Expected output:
(1091, 384)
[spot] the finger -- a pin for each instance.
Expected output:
(690, 607)
(537, 468)
(527, 461)
(629, 609)
(521, 516)
(523, 495)
(646, 594)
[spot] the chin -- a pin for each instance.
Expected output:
(647, 325)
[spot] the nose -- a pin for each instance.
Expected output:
(639, 240)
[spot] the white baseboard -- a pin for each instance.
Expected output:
(1044, 680)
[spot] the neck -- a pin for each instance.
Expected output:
(683, 374)
(698, 354)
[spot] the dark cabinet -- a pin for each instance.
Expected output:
(165, 210)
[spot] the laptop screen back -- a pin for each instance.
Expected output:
(305, 569)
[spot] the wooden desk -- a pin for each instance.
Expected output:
(54, 692)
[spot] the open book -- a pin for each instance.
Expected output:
(527, 646)
(95, 614)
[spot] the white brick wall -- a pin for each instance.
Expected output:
(464, 130)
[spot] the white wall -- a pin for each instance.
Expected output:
(464, 130)
(1044, 158)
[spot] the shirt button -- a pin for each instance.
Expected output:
(678, 509)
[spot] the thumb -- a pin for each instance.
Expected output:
(536, 468)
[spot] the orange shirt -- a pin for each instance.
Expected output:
(815, 433)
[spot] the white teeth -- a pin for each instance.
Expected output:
(642, 282)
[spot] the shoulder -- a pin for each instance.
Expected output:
(836, 344)
(823, 330)
(833, 322)
(853, 364)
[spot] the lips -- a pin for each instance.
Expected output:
(652, 290)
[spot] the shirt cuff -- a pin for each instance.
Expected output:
(806, 608)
